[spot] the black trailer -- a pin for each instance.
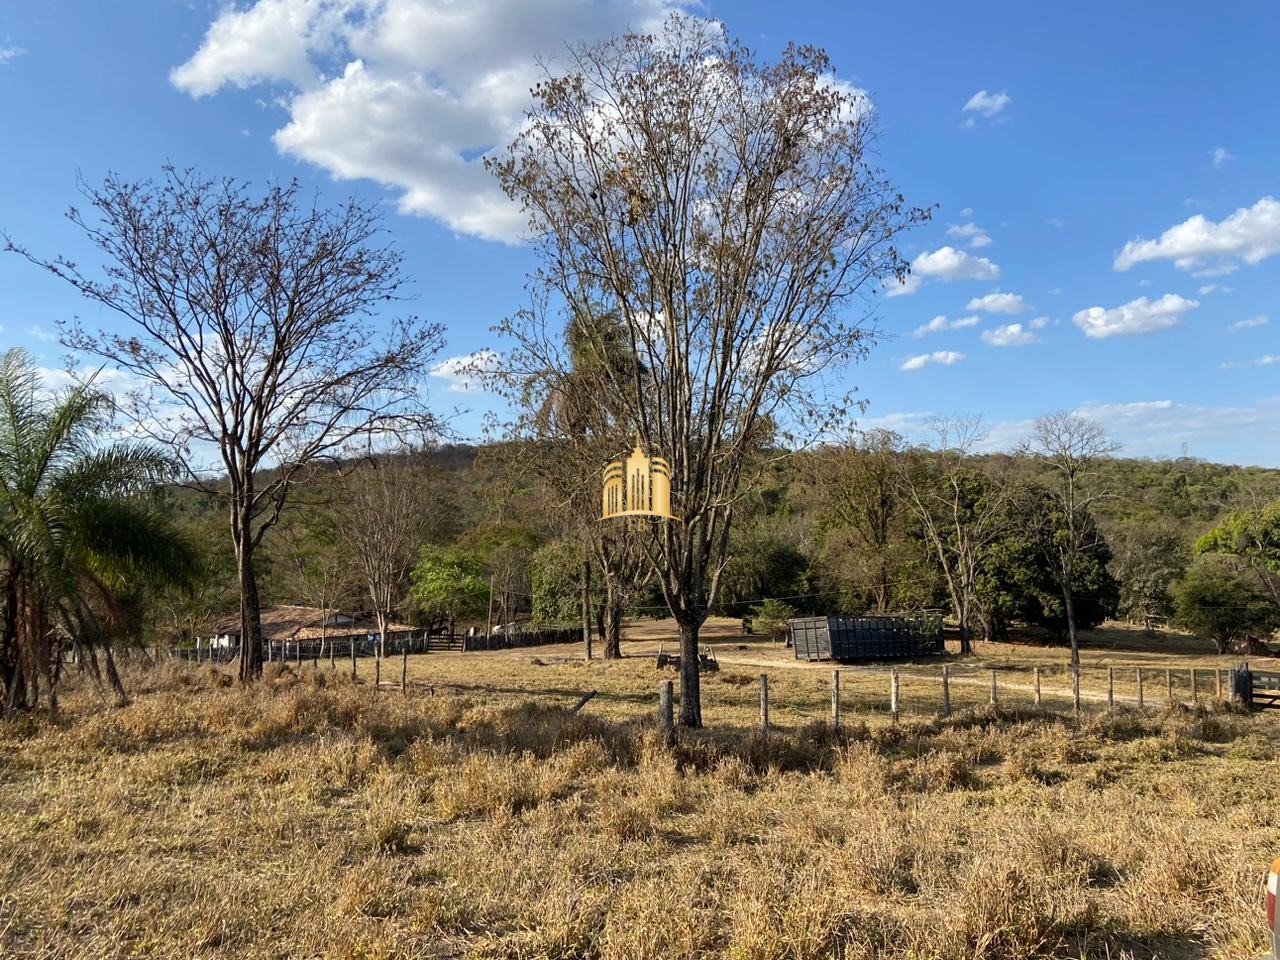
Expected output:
(866, 638)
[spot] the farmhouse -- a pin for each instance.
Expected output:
(291, 623)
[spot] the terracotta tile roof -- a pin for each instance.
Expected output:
(290, 622)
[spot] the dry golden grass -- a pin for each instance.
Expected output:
(313, 818)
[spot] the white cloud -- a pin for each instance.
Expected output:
(998, 303)
(1220, 155)
(1038, 323)
(9, 53)
(1056, 222)
(944, 357)
(408, 93)
(1249, 323)
(1136, 317)
(986, 104)
(41, 334)
(945, 264)
(1268, 360)
(948, 263)
(1009, 335)
(1250, 234)
(908, 286)
(976, 236)
(466, 373)
(967, 212)
(940, 323)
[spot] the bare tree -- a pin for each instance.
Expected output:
(727, 213)
(959, 509)
(1071, 445)
(381, 520)
(249, 341)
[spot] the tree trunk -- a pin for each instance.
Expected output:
(250, 608)
(122, 698)
(690, 676)
(1070, 606)
(586, 607)
(613, 630)
(10, 661)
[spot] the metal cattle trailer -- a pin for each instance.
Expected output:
(866, 638)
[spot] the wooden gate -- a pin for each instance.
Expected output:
(1264, 690)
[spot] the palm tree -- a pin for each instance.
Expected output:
(81, 534)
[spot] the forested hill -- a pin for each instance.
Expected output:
(820, 531)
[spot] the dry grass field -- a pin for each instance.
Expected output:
(313, 817)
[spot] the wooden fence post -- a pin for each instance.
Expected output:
(351, 644)
(1168, 688)
(893, 693)
(993, 686)
(1111, 688)
(333, 663)
(764, 703)
(835, 699)
(297, 652)
(666, 718)
(1217, 676)
(1037, 675)
(404, 669)
(1195, 687)
(1075, 687)
(377, 668)
(1139, 688)
(946, 690)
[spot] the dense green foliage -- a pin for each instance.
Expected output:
(85, 546)
(491, 520)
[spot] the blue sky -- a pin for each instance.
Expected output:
(1106, 171)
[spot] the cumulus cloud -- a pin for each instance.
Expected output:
(1251, 234)
(9, 53)
(466, 373)
(1009, 335)
(945, 264)
(1219, 156)
(984, 104)
(999, 303)
(1248, 323)
(944, 357)
(1134, 318)
(408, 93)
(940, 323)
(974, 234)
(948, 263)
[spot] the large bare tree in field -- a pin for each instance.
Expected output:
(727, 212)
(1071, 446)
(249, 339)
